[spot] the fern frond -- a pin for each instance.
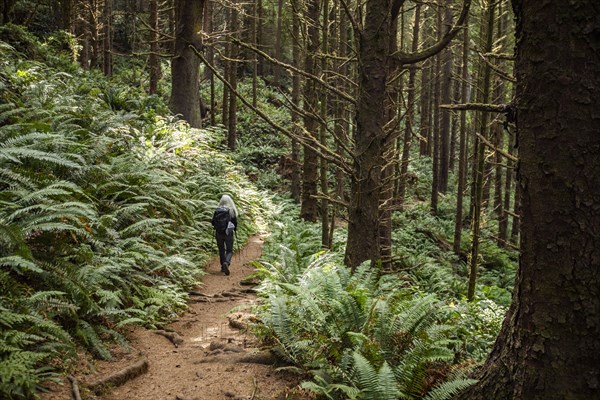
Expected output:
(20, 264)
(449, 389)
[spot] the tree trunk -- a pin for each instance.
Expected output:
(154, 60)
(296, 82)
(341, 117)
(446, 90)
(185, 93)
(436, 134)
(425, 126)
(390, 147)
(549, 345)
(310, 171)
(277, 70)
(462, 146)
(479, 166)
(233, 78)
(210, 56)
(410, 111)
(7, 10)
(82, 33)
(254, 41)
(93, 32)
(324, 183)
(107, 38)
(363, 225)
(259, 37)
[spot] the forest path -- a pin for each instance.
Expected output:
(212, 359)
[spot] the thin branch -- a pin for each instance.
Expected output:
(350, 16)
(343, 95)
(406, 58)
(499, 108)
(307, 139)
(491, 146)
(497, 70)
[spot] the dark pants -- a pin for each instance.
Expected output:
(225, 245)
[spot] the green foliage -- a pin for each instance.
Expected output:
(475, 327)
(362, 335)
(105, 214)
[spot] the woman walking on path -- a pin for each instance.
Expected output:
(225, 223)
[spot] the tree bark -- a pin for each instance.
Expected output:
(549, 346)
(479, 165)
(323, 136)
(107, 38)
(154, 60)
(310, 171)
(185, 92)
(410, 111)
(436, 134)
(446, 90)
(296, 83)
(462, 146)
(363, 226)
(233, 79)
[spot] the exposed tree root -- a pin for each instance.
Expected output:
(75, 395)
(172, 336)
(122, 376)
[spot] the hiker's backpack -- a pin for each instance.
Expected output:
(221, 219)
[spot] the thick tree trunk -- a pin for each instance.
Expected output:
(363, 226)
(185, 93)
(549, 345)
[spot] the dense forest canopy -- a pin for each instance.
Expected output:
(404, 155)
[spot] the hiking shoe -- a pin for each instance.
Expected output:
(225, 268)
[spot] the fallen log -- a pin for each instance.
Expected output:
(119, 378)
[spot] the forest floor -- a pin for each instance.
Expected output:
(210, 353)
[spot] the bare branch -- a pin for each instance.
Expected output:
(405, 58)
(497, 70)
(307, 139)
(343, 95)
(350, 16)
(499, 108)
(491, 146)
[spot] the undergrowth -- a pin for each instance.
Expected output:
(104, 212)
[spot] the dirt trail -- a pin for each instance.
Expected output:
(210, 359)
